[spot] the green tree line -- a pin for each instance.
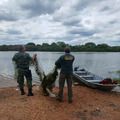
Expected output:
(59, 46)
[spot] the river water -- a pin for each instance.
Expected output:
(100, 63)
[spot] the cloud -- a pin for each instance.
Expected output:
(7, 17)
(38, 7)
(73, 21)
(82, 32)
(13, 32)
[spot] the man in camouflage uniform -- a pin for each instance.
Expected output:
(22, 61)
(65, 62)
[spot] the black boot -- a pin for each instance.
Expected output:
(30, 92)
(58, 98)
(70, 101)
(22, 91)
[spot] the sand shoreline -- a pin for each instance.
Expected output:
(88, 104)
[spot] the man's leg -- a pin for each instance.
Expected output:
(28, 76)
(20, 80)
(44, 85)
(44, 89)
(61, 86)
(69, 85)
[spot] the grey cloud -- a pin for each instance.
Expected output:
(105, 8)
(17, 9)
(35, 37)
(114, 42)
(38, 7)
(13, 32)
(118, 34)
(7, 16)
(117, 41)
(87, 33)
(113, 22)
(11, 41)
(65, 38)
(82, 32)
(72, 22)
(83, 4)
(1, 30)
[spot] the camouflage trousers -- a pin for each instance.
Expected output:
(68, 78)
(20, 78)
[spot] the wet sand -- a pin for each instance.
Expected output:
(7, 82)
(88, 104)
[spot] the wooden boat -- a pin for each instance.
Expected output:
(89, 79)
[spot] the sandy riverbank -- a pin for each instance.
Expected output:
(88, 104)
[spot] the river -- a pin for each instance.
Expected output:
(100, 63)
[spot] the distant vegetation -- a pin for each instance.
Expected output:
(59, 46)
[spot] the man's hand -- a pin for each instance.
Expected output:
(34, 57)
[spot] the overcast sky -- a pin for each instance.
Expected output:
(71, 21)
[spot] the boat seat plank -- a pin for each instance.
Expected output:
(86, 76)
(93, 80)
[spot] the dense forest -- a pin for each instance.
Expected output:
(59, 46)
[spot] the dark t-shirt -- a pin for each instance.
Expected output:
(65, 62)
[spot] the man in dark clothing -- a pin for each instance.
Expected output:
(65, 62)
(22, 61)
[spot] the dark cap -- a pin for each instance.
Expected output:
(67, 50)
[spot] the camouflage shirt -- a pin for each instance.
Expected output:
(22, 60)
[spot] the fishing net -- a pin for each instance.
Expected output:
(15, 69)
(38, 69)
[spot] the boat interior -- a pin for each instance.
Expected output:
(85, 75)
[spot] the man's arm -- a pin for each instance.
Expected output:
(14, 58)
(30, 59)
(58, 63)
(73, 58)
(33, 58)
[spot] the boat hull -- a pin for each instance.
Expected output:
(94, 85)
